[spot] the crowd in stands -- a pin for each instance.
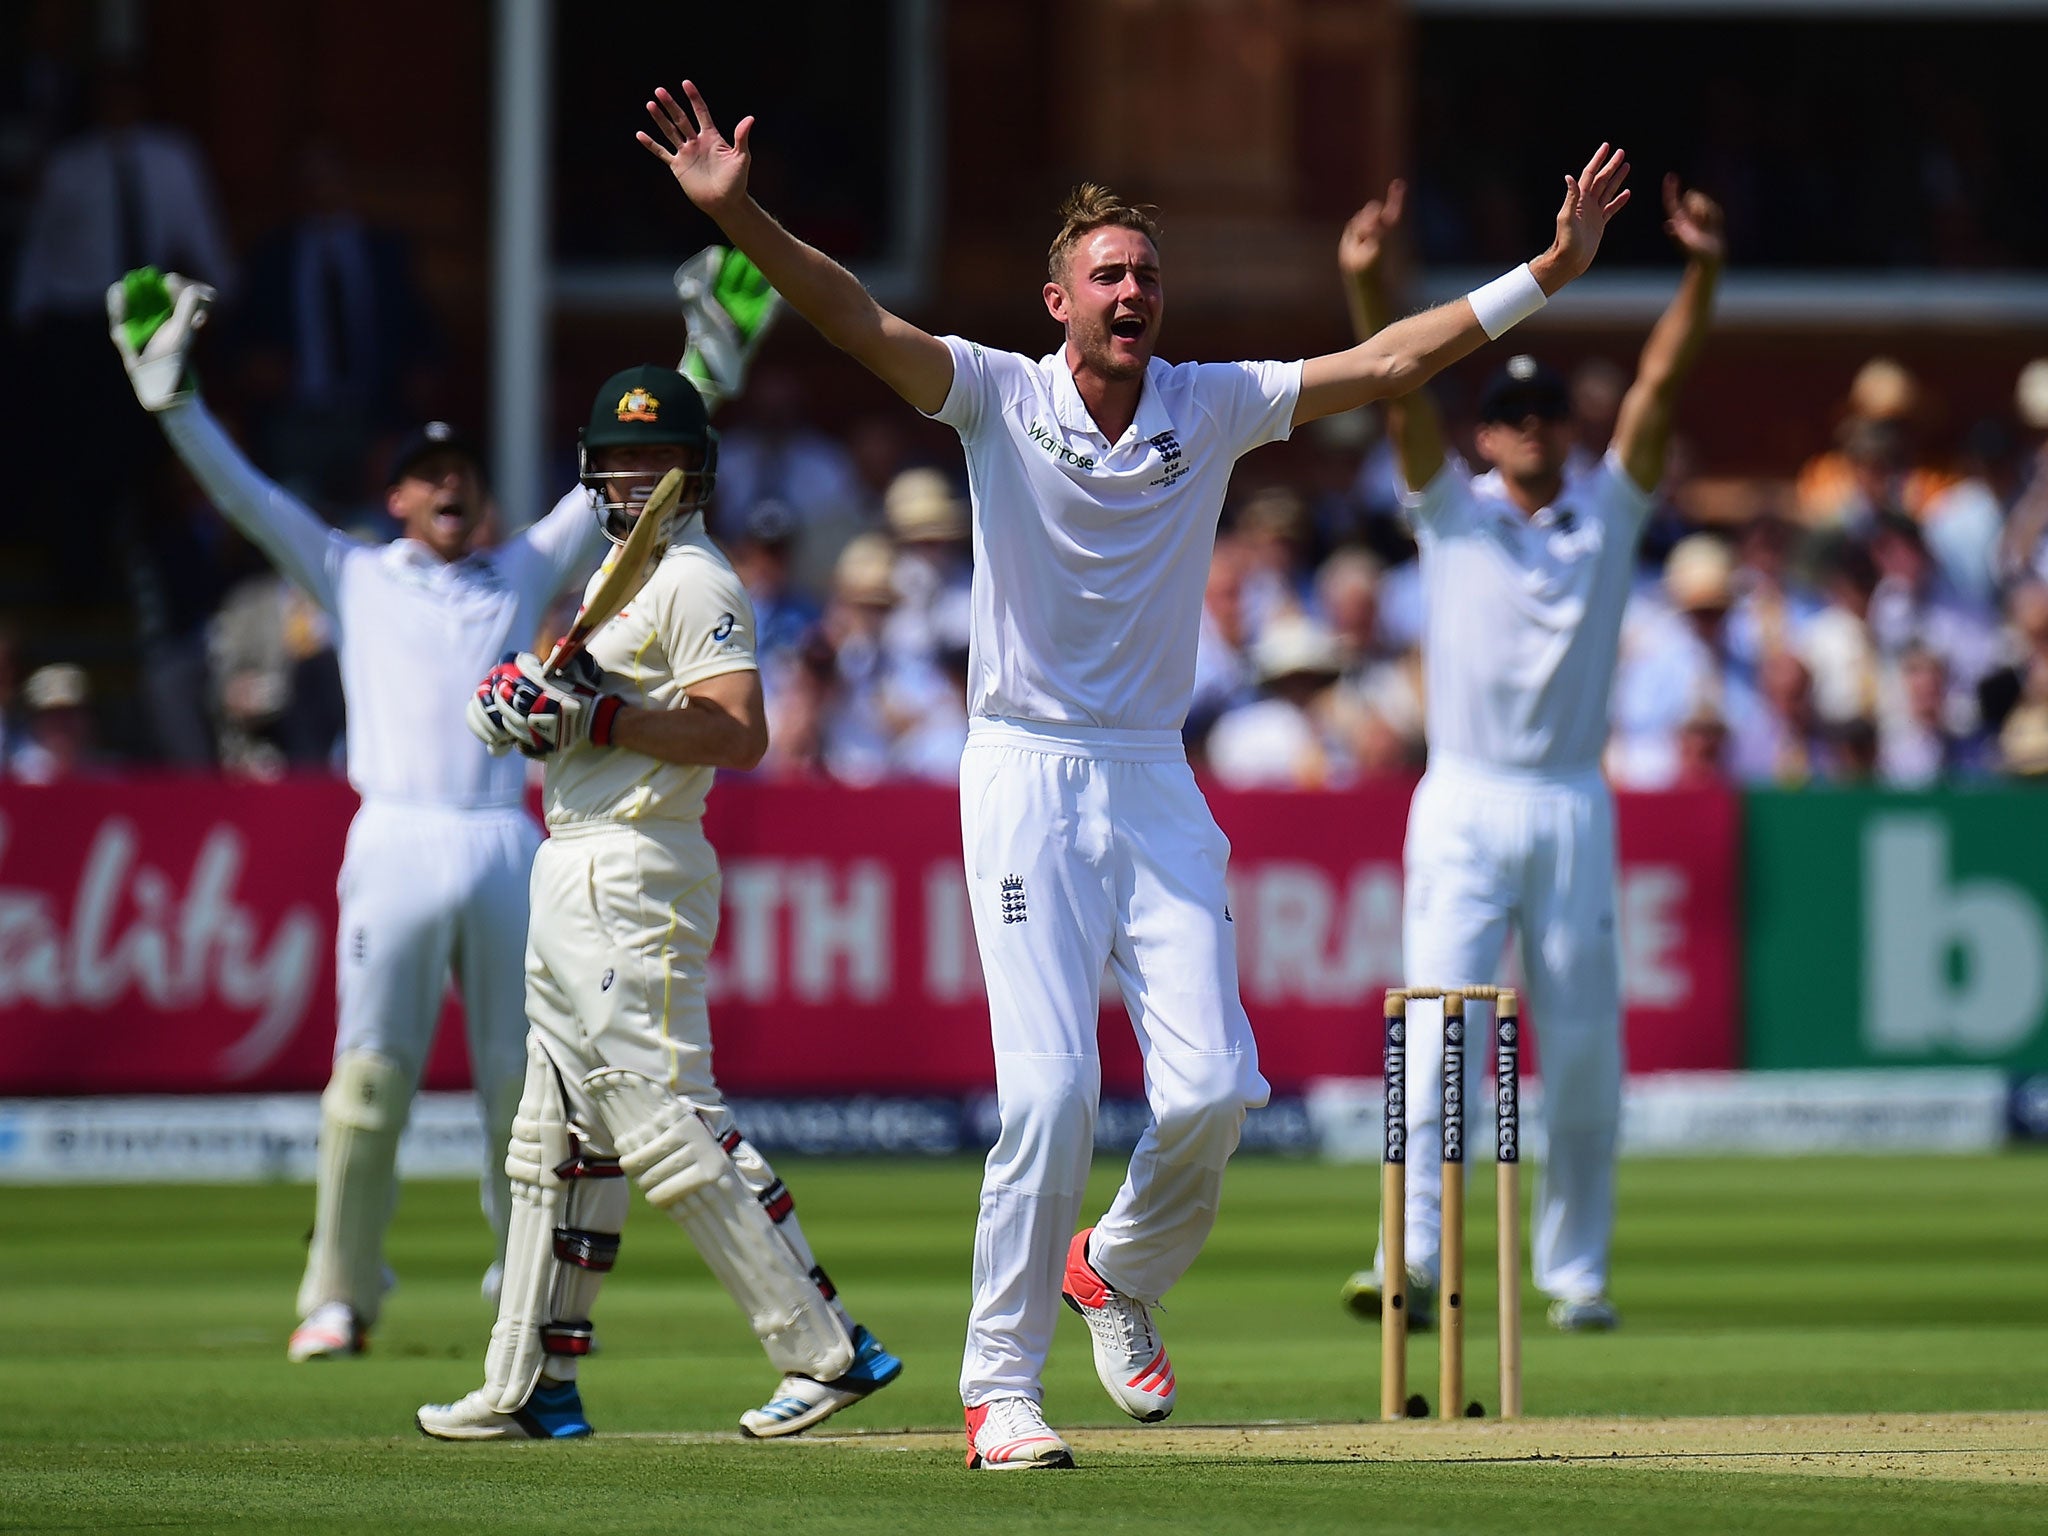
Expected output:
(1882, 617)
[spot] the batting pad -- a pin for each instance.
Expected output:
(551, 1198)
(671, 1152)
(362, 1115)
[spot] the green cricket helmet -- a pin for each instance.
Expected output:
(647, 406)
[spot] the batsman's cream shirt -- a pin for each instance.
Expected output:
(414, 633)
(1090, 557)
(1523, 614)
(690, 622)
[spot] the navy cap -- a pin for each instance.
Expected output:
(434, 437)
(647, 404)
(1522, 389)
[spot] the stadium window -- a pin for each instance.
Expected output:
(856, 186)
(1879, 159)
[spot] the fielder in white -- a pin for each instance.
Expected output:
(1525, 576)
(1098, 474)
(434, 877)
(625, 908)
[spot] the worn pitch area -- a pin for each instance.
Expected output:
(1962, 1447)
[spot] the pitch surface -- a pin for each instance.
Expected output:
(1808, 1346)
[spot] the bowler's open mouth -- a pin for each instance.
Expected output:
(1130, 327)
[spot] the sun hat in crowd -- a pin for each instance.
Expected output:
(922, 509)
(1294, 645)
(1700, 574)
(58, 686)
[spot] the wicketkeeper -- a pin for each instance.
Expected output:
(433, 881)
(625, 908)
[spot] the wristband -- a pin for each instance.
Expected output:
(603, 715)
(1507, 301)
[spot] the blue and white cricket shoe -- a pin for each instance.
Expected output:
(801, 1401)
(554, 1412)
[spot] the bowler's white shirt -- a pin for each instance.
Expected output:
(1090, 557)
(414, 633)
(1523, 614)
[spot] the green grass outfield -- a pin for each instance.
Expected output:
(146, 1387)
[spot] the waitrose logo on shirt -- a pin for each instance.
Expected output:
(1045, 438)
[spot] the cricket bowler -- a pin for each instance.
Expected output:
(1098, 474)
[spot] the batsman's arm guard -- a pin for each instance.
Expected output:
(563, 1238)
(673, 1155)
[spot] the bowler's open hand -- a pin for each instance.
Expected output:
(711, 172)
(1591, 198)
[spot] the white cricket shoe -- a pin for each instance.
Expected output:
(1008, 1434)
(1130, 1361)
(1365, 1292)
(553, 1412)
(332, 1331)
(1584, 1314)
(801, 1401)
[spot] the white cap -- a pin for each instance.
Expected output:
(61, 686)
(2030, 394)
(1294, 643)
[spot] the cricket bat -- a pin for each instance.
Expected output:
(623, 578)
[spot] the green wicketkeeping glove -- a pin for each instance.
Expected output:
(153, 317)
(728, 307)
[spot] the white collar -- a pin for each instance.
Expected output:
(1072, 411)
(1493, 486)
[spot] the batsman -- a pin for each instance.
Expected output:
(625, 907)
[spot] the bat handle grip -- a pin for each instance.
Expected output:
(566, 650)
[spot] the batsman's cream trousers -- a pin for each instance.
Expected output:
(1490, 851)
(426, 892)
(624, 915)
(1084, 848)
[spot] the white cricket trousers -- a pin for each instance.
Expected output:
(1084, 848)
(1489, 850)
(428, 892)
(624, 916)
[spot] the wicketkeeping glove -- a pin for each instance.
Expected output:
(153, 317)
(727, 309)
(543, 714)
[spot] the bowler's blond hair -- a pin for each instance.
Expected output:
(1088, 208)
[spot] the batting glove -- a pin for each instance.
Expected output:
(545, 714)
(485, 720)
(153, 317)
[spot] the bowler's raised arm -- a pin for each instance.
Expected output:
(1410, 352)
(713, 174)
